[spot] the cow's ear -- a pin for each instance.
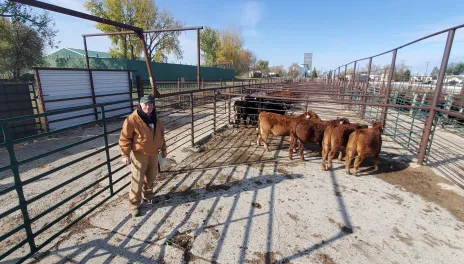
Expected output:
(373, 122)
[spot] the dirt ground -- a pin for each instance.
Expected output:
(230, 201)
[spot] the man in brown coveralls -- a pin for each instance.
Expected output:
(141, 139)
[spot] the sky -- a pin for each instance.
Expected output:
(336, 32)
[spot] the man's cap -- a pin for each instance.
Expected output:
(147, 99)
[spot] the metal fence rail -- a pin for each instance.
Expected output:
(185, 125)
(336, 81)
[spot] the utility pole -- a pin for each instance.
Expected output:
(426, 68)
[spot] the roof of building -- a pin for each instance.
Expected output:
(91, 53)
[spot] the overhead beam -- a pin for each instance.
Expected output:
(144, 31)
(73, 13)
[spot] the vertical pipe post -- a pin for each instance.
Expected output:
(18, 186)
(214, 110)
(92, 88)
(383, 116)
(154, 92)
(436, 97)
(364, 98)
(138, 82)
(198, 59)
(192, 130)
(131, 89)
(107, 151)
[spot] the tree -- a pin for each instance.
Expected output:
(293, 70)
(40, 22)
(455, 68)
(143, 14)
(314, 74)
(435, 71)
(246, 61)
(406, 75)
(21, 48)
(229, 47)
(263, 65)
(209, 41)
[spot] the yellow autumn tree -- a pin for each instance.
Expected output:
(139, 13)
(229, 48)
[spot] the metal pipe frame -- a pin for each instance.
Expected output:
(436, 97)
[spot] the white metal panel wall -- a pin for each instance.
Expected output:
(112, 82)
(64, 84)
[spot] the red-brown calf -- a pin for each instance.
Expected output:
(335, 140)
(310, 131)
(366, 142)
(279, 125)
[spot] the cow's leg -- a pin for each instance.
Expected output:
(357, 162)
(340, 155)
(301, 147)
(290, 152)
(258, 140)
(376, 162)
(325, 151)
(264, 136)
(348, 157)
(331, 155)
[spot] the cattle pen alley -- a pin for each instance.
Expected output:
(224, 199)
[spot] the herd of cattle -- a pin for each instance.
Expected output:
(333, 136)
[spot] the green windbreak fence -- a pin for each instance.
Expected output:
(161, 71)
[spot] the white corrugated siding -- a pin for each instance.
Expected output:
(68, 84)
(112, 82)
(61, 84)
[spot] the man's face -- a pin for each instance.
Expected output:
(147, 108)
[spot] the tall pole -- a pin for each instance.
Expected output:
(436, 97)
(147, 61)
(198, 59)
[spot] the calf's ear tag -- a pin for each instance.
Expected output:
(341, 122)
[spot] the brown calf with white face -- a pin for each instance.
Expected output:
(310, 131)
(365, 142)
(335, 140)
(279, 125)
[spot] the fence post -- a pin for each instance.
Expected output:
(18, 186)
(138, 80)
(214, 110)
(107, 151)
(192, 126)
(364, 99)
(436, 97)
(383, 116)
(92, 88)
(179, 97)
(414, 102)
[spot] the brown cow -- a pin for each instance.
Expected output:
(365, 142)
(279, 125)
(310, 131)
(335, 140)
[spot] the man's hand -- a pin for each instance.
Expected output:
(126, 160)
(164, 154)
